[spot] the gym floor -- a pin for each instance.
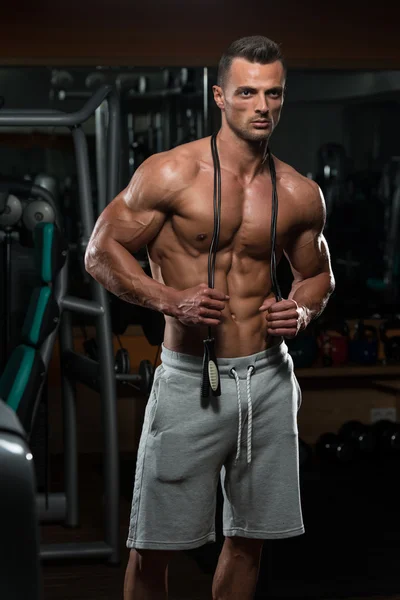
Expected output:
(84, 580)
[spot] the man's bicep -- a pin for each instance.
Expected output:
(307, 250)
(308, 255)
(136, 216)
(131, 226)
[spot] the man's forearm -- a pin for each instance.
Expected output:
(312, 294)
(120, 273)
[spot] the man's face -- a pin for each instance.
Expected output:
(252, 98)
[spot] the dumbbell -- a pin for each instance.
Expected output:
(122, 364)
(144, 378)
(122, 367)
(362, 436)
(388, 437)
(331, 448)
(146, 374)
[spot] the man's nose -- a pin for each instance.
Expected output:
(262, 105)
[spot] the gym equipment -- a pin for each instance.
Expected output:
(332, 449)
(16, 197)
(96, 307)
(49, 183)
(61, 79)
(331, 176)
(146, 373)
(122, 368)
(391, 342)
(122, 361)
(95, 79)
(364, 346)
(124, 314)
(187, 80)
(11, 212)
(362, 436)
(303, 349)
(388, 437)
(37, 211)
(122, 364)
(333, 342)
(20, 575)
(168, 79)
(389, 193)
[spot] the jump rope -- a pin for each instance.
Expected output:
(211, 380)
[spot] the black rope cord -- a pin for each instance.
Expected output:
(274, 217)
(211, 380)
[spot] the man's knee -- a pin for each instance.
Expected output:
(150, 560)
(245, 548)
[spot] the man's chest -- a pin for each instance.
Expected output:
(245, 221)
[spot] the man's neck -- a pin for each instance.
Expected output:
(242, 157)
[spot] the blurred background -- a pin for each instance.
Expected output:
(87, 93)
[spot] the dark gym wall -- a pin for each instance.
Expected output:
(170, 32)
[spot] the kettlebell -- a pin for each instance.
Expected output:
(391, 343)
(363, 348)
(333, 342)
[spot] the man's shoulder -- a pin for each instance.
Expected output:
(180, 165)
(295, 183)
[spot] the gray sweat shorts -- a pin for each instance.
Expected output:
(248, 436)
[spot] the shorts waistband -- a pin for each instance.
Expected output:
(194, 364)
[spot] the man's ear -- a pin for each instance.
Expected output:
(219, 97)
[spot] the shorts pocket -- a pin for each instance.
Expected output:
(299, 393)
(170, 461)
(158, 392)
(296, 383)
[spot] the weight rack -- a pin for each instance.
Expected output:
(67, 504)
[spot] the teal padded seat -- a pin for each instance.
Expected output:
(41, 318)
(20, 382)
(50, 251)
(24, 373)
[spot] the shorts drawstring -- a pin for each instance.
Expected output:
(250, 371)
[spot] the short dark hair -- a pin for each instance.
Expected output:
(255, 49)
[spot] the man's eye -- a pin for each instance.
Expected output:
(247, 92)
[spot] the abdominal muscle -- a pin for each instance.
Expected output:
(243, 329)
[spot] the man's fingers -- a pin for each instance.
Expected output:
(273, 306)
(283, 305)
(212, 293)
(209, 313)
(282, 316)
(283, 324)
(213, 304)
(266, 305)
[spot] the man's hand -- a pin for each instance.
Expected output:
(199, 305)
(285, 318)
